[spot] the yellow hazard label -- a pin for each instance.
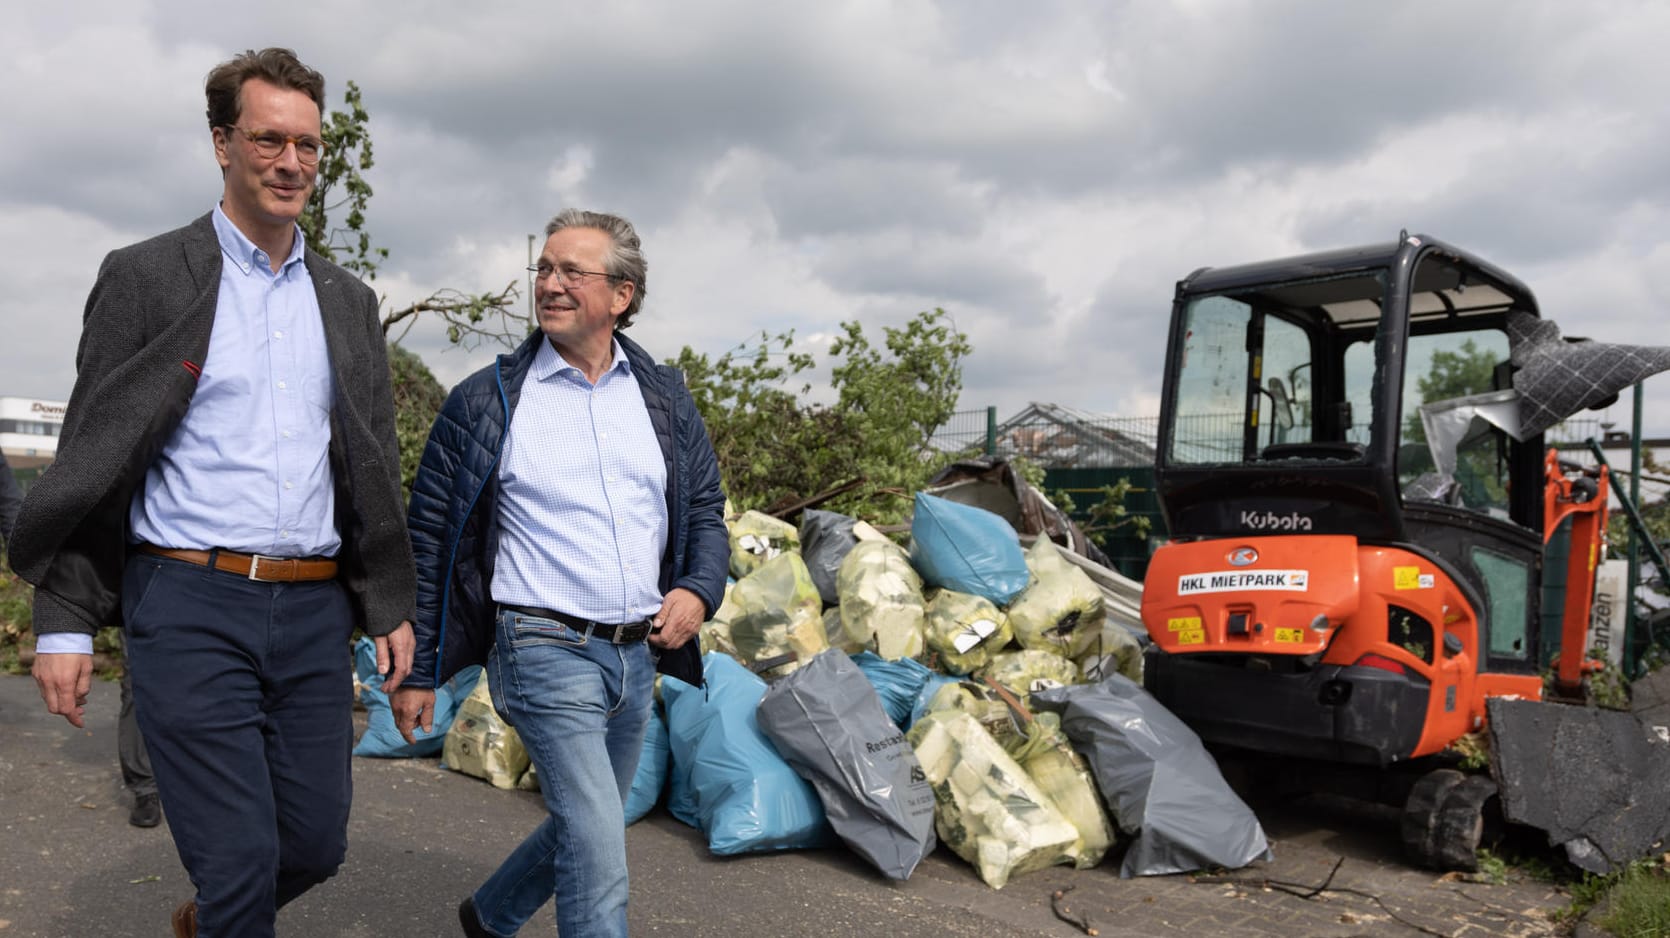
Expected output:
(1290, 636)
(1182, 622)
(1191, 637)
(1406, 578)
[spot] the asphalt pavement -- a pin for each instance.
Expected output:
(421, 837)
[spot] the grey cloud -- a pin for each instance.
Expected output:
(935, 272)
(845, 196)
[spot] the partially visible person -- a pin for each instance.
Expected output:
(135, 761)
(568, 525)
(227, 489)
(11, 498)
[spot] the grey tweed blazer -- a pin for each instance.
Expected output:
(144, 336)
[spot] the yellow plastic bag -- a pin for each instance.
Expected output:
(483, 745)
(715, 634)
(986, 807)
(756, 538)
(1065, 777)
(1061, 609)
(881, 600)
(965, 630)
(779, 617)
(1028, 670)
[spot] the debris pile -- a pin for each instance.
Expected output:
(953, 687)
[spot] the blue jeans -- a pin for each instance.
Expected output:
(244, 693)
(581, 707)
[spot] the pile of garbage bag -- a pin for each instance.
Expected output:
(955, 686)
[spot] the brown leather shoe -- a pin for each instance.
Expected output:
(185, 919)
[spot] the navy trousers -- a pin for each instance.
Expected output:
(244, 693)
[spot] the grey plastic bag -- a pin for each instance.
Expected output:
(825, 538)
(1158, 778)
(828, 724)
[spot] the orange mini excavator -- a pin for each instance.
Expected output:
(1352, 466)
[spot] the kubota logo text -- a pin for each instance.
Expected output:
(1270, 521)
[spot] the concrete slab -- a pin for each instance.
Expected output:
(1649, 700)
(1593, 780)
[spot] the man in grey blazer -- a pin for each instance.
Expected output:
(227, 490)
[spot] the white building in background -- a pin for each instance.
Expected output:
(29, 430)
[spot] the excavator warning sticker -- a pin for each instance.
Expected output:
(1234, 581)
(1411, 578)
(1188, 630)
(1290, 636)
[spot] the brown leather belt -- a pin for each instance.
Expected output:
(257, 567)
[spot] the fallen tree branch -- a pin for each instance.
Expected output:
(1308, 892)
(1058, 905)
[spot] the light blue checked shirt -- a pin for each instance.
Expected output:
(248, 468)
(582, 507)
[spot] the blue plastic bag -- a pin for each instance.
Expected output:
(925, 696)
(726, 775)
(897, 683)
(651, 776)
(381, 739)
(967, 549)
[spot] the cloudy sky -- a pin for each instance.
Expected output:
(1045, 171)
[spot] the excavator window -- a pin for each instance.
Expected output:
(1411, 631)
(1244, 388)
(1507, 584)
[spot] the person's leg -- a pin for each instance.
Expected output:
(309, 732)
(196, 642)
(130, 753)
(576, 707)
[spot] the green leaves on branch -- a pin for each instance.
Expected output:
(1106, 516)
(340, 184)
(471, 318)
(777, 446)
(340, 191)
(417, 399)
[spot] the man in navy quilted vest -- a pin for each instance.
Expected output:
(568, 525)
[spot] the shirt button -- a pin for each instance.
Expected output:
(288, 434)
(288, 484)
(284, 534)
(278, 334)
(281, 385)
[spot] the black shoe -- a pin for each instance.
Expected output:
(470, 920)
(147, 811)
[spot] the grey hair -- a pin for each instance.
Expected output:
(626, 255)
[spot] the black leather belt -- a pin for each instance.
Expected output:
(617, 634)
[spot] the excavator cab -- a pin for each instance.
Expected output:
(1357, 538)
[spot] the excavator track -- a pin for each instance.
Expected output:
(1421, 814)
(1462, 822)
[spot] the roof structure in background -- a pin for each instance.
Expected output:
(1057, 437)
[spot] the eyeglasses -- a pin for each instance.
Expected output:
(270, 144)
(567, 276)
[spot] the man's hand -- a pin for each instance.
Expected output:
(64, 680)
(396, 645)
(412, 705)
(679, 619)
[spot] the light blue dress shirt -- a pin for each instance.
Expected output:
(248, 468)
(582, 508)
